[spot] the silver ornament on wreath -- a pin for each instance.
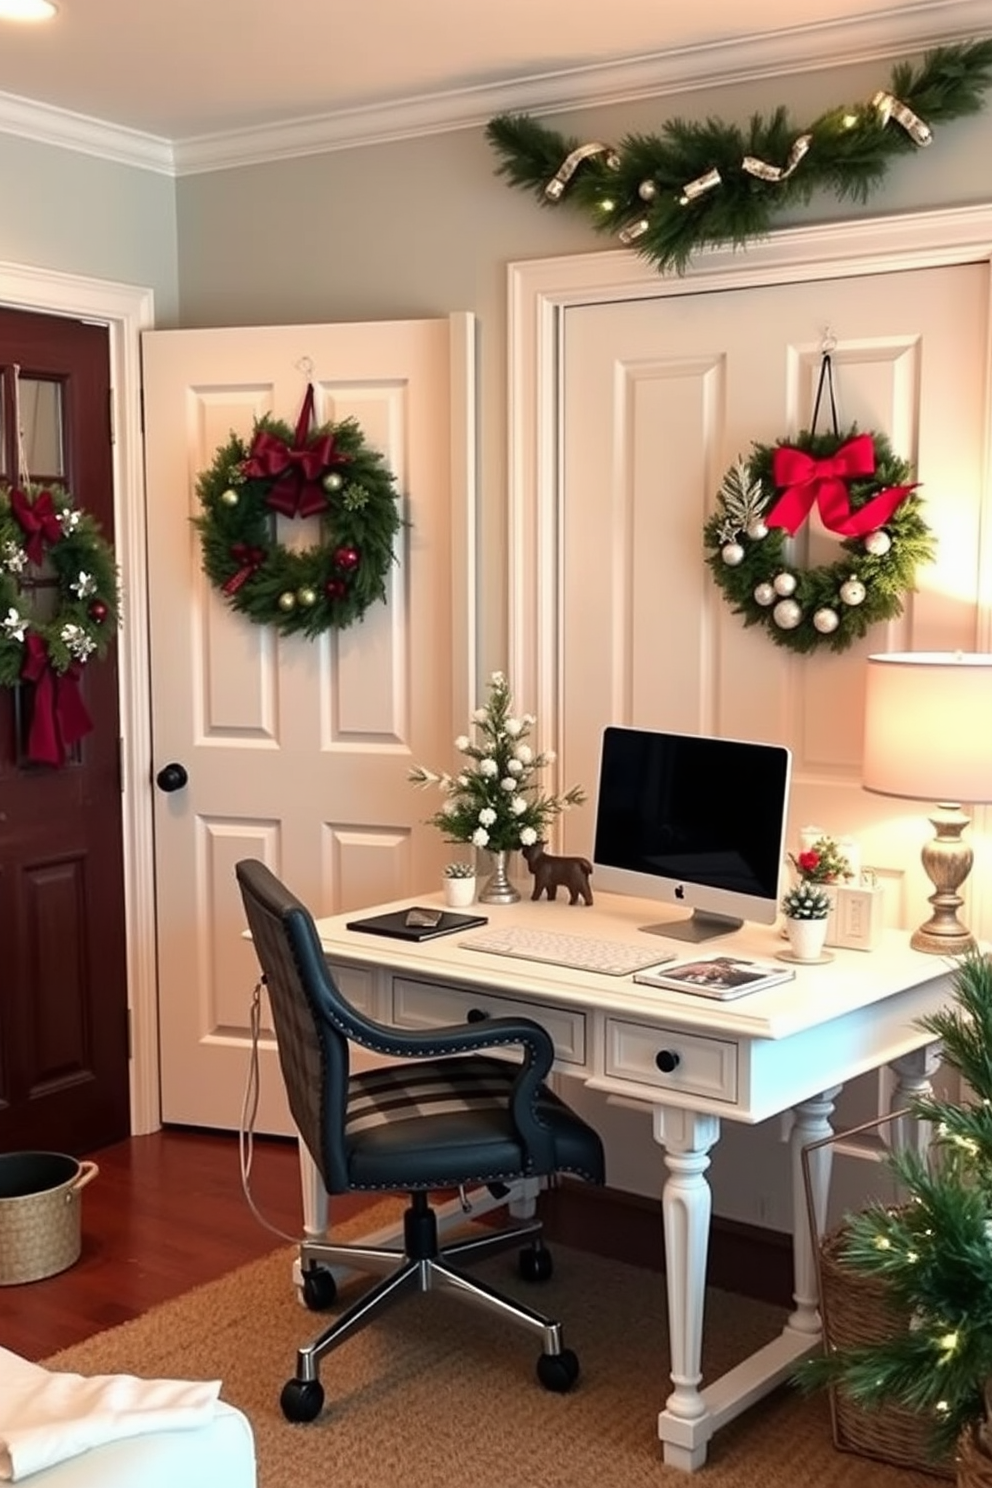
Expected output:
(878, 543)
(787, 614)
(826, 620)
(852, 591)
(732, 554)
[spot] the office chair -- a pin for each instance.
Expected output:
(448, 1117)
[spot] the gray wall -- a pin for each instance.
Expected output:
(421, 227)
(66, 211)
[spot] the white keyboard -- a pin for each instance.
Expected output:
(579, 952)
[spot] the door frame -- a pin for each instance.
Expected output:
(538, 294)
(126, 310)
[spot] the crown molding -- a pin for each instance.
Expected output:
(875, 36)
(46, 125)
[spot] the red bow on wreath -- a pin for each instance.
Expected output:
(297, 491)
(59, 718)
(39, 521)
(251, 560)
(823, 483)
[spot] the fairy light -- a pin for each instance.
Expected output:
(947, 1343)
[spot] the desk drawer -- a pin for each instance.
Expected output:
(357, 985)
(699, 1065)
(425, 1005)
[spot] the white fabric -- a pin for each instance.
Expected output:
(47, 1417)
(218, 1455)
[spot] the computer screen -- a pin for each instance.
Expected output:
(693, 820)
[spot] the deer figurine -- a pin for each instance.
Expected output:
(551, 873)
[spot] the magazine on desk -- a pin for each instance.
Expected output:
(723, 977)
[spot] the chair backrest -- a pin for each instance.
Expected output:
(312, 1019)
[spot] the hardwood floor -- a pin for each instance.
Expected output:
(167, 1212)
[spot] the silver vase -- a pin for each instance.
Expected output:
(499, 889)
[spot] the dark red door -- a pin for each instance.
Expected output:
(63, 987)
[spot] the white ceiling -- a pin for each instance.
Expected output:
(182, 73)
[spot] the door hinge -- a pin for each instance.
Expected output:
(120, 763)
(130, 1036)
(111, 421)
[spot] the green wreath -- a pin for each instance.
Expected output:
(46, 542)
(331, 474)
(864, 494)
(39, 525)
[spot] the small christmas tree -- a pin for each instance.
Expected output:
(934, 1251)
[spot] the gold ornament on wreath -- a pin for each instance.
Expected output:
(58, 609)
(863, 493)
(329, 473)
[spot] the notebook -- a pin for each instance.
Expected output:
(395, 924)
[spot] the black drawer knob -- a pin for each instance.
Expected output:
(668, 1061)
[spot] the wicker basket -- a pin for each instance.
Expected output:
(974, 1467)
(39, 1214)
(856, 1310)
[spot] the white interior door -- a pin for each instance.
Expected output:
(296, 751)
(659, 397)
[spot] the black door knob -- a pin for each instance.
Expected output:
(171, 777)
(668, 1061)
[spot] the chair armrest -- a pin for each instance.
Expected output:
(473, 1038)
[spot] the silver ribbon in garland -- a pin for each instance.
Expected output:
(766, 172)
(631, 233)
(699, 186)
(890, 107)
(555, 189)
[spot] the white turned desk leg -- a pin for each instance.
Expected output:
(811, 1124)
(914, 1073)
(522, 1203)
(686, 1203)
(314, 1195)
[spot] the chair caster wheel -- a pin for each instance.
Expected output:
(302, 1400)
(558, 1372)
(535, 1264)
(318, 1288)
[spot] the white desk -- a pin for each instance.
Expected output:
(789, 1048)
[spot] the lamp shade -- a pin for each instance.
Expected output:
(928, 726)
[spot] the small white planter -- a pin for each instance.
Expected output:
(459, 892)
(806, 938)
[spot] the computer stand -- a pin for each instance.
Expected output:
(698, 926)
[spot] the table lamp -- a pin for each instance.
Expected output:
(928, 737)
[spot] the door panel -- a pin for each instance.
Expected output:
(63, 1009)
(297, 750)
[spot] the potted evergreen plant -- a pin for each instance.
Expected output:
(459, 883)
(933, 1252)
(806, 907)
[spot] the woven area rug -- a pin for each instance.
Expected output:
(439, 1395)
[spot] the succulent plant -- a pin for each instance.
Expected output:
(459, 870)
(806, 901)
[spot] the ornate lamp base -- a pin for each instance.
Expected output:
(499, 889)
(947, 861)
